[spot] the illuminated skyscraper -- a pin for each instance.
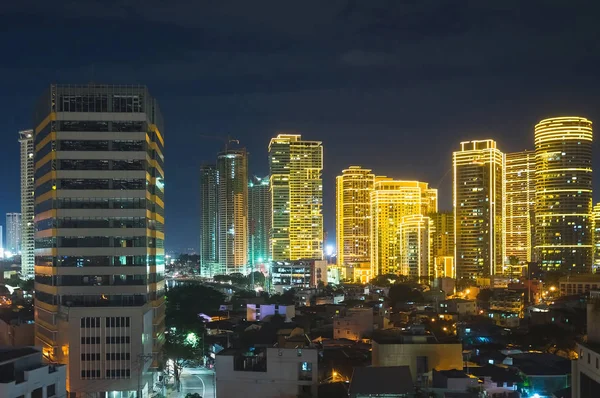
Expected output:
(13, 233)
(232, 204)
(209, 236)
(442, 244)
(259, 221)
(353, 215)
(27, 204)
(596, 219)
(563, 194)
(478, 209)
(296, 197)
(519, 171)
(415, 245)
(391, 200)
(99, 240)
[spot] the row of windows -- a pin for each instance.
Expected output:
(98, 241)
(92, 222)
(118, 356)
(89, 183)
(100, 102)
(96, 203)
(91, 280)
(96, 125)
(118, 373)
(99, 145)
(110, 322)
(102, 300)
(93, 164)
(99, 261)
(117, 340)
(113, 356)
(90, 374)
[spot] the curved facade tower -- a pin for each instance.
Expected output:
(563, 194)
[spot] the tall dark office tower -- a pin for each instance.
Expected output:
(232, 204)
(259, 221)
(209, 239)
(563, 194)
(99, 240)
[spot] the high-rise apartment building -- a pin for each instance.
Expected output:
(27, 203)
(596, 223)
(442, 244)
(209, 236)
(478, 209)
(99, 240)
(13, 233)
(232, 210)
(296, 169)
(353, 216)
(391, 201)
(563, 194)
(519, 171)
(259, 221)
(415, 247)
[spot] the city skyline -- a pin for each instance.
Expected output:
(370, 94)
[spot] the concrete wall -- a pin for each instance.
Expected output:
(17, 335)
(357, 324)
(140, 344)
(439, 356)
(281, 380)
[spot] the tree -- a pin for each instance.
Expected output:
(287, 298)
(386, 280)
(184, 344)
(259, 278)
(183, 349)
(14, 280)
(222, 278)
(402, 293)
(185, 304)
(238, 278)
(485, 295)
(27, 285)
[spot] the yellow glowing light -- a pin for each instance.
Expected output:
(353, 196)
(552, 288)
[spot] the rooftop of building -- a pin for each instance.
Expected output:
(453, 373)
(581, 278)
(381, 380)
(460, 300)
(541, 364)
(409, 336)
(9, 354)
(498, 374)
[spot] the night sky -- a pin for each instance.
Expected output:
(393, 85)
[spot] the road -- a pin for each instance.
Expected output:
(198, 380)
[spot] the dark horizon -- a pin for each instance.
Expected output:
(391, 86)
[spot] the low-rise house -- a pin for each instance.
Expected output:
(267, 372)
(24, 374)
